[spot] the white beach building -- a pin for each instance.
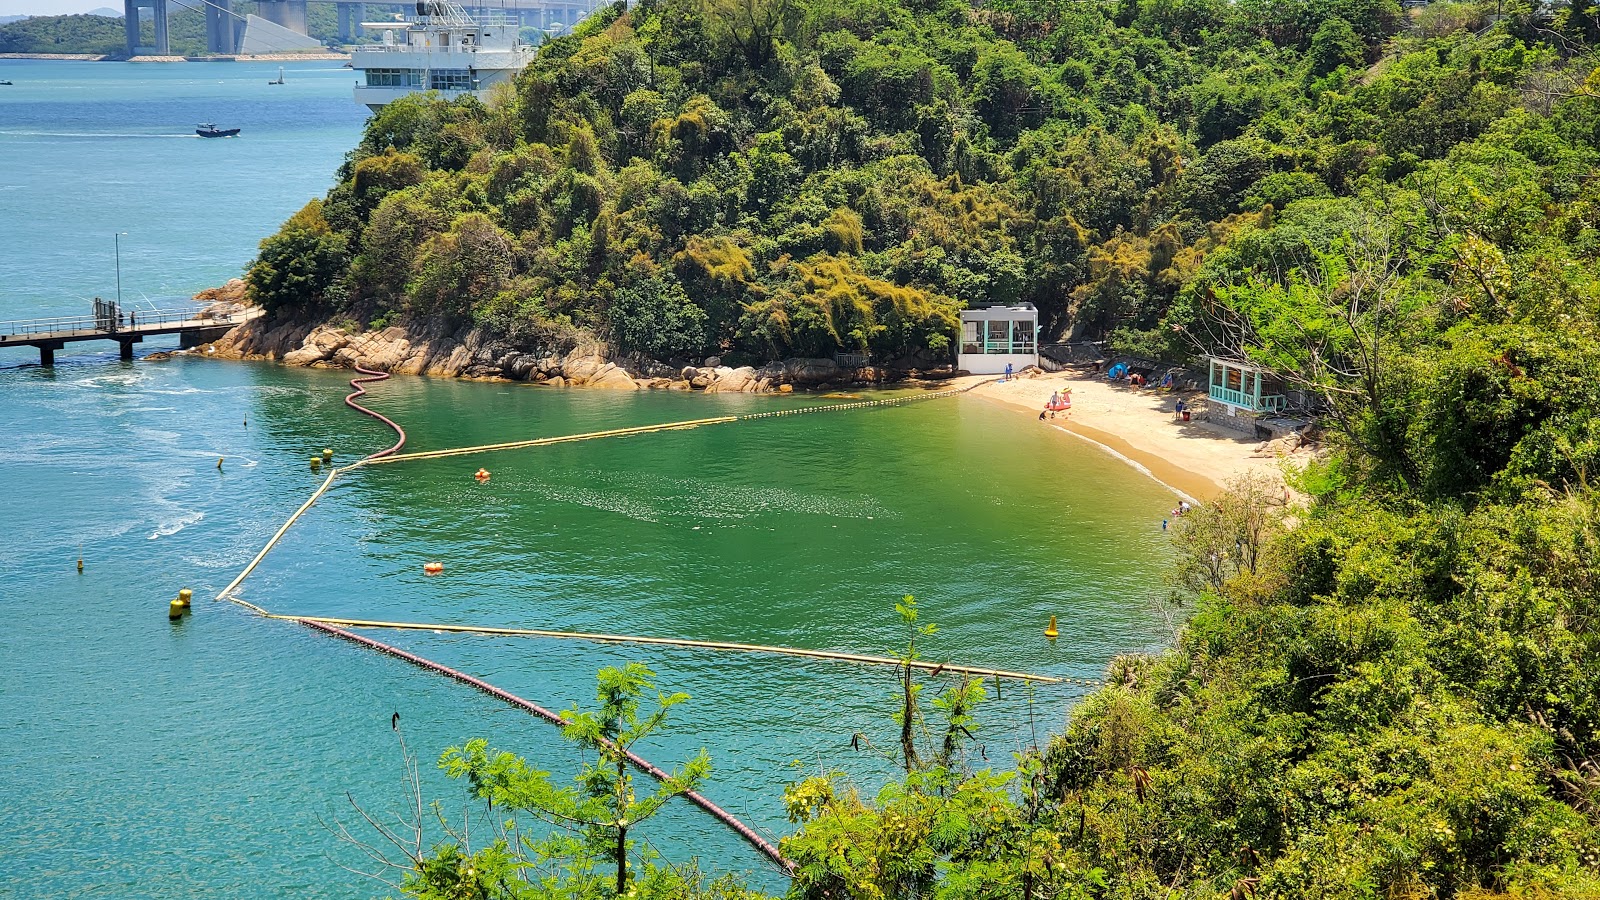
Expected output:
(993, 337)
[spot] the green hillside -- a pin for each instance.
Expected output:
(1392, 691)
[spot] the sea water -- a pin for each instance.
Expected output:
(220, 756)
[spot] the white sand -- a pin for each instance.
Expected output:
(1193, 458)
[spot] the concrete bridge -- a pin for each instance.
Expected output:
(223, 25)
(126, 328)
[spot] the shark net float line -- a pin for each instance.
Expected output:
(859, 658)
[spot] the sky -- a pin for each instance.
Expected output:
(53, 7)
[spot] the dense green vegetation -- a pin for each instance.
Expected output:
(780, 177)
(1391, 691)
(64, 34)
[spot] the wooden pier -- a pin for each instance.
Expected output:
(126, 328)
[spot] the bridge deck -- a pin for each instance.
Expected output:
(56, 332)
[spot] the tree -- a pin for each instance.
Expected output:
(300, 264)
(749, 25)
(461, 268)
(653, 315)
(1336, 44)
(599, 813)
(1341, 326)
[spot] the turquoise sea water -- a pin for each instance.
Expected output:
(213, 758)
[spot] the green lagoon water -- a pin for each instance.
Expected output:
(142, 759)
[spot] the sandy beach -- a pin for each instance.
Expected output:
(1193, 458)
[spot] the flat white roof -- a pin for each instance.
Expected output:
(986, 313)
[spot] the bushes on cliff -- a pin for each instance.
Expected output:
(300, 265)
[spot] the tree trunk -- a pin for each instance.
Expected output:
(622, 859)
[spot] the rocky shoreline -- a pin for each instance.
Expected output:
(430, 349)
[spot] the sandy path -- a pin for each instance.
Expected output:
(1195, 459)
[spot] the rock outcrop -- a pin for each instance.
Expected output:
(433, 349)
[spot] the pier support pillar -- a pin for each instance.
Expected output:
(125, 350)
(47, 352)
(219, 27)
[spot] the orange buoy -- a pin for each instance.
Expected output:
(432, 568)
(482, 475)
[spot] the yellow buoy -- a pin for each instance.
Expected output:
(1050, 630)
(327, 455)
(80, 564)
(174, 610)
(219, 463)
(184, 598)
(316, 462)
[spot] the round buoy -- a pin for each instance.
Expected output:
(316, 462)
(174, 610)
(327, 455)
(184, 598)
(432, 568)
(481, 475)
(1050, 630)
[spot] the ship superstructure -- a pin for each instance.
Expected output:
(441, 49)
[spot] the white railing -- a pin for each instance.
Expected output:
(140, 321)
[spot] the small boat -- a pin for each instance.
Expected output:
(207, 129)
(280, 77)
(7, 83)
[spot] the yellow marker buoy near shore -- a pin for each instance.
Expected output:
(316, 462)
(219, 463)
(327, 455)
(1050, 630)
(185, 597)
(175, 610)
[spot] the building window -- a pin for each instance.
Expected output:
(997, 337)
(450, 80)
(971, 344)
(1022, 336)
(1233, 380)
(403, 78)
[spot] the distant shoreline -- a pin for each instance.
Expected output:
(108, 57)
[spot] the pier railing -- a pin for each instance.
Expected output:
(141, 319)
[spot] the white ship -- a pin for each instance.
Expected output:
(442, 49)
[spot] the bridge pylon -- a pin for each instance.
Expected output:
(222, 34)
(291, 14)
(160, 45)
(350, 18)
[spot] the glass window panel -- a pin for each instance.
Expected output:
(970, 341)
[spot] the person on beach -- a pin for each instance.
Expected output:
(1008, 373)
(1180, 408)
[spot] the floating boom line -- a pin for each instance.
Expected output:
(864, 659)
